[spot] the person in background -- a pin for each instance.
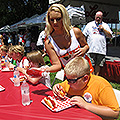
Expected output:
(17, 53)
(36, 61)
(5, 57)
(88, 91)
(9, 36)
(5, 39)
(4, 51)
(1, 40)
(96, 33)
(41, 38)
(28, 41)
(20, 36)
(15, 38)
(64, 41)
(10, 55)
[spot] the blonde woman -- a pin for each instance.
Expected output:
(64, 42)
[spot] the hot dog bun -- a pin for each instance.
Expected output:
(22, 78)
(50, 102)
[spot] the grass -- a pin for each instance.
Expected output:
(52, 76)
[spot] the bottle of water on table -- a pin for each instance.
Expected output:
(25, 93)
(16, 80)
(16, 72)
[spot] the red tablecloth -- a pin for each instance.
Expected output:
(12, 108)
(111, 71)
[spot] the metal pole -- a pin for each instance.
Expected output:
(115, 34)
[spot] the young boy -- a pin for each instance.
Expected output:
(36, 62)
(17, 53)
(88, 91)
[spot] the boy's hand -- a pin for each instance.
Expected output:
(58, 90)
(78, 101)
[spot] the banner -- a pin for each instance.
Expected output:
(110, 13)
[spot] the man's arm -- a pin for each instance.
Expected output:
(107, 33)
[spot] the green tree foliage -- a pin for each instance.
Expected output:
(12, 11)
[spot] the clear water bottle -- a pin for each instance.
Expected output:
(16, 81)
(25, 93)
(16, 72)
(6, 63)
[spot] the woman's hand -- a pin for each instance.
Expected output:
(79, 52)
(78, 101)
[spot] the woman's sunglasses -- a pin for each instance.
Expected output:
(57, 19)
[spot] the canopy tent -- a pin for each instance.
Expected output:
(76, 14)
(21, 23)
(37, 20)
(5, 29)
(14, 27)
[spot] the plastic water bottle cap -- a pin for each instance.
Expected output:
(14, 76)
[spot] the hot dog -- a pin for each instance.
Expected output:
(50, 102)
(62, 93)
(22, 78)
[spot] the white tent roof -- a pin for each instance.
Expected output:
(37, 20)
(5, 28)
(76, 14)
(22, 22)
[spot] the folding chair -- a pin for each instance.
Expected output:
(59, 75)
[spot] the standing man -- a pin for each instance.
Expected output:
(96, 33)
(41, 38)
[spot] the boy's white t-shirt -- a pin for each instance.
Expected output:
(45, 79)
(23, 63)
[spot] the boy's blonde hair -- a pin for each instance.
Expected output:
(4, 48)
(17, 49)
(77, 67)
(36, 57)
(65, 18)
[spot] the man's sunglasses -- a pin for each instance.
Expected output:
(74, 80)
(57, 19)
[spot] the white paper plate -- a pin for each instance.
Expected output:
(1, 88)
(62, 104)
(6, 70)
(12, 78)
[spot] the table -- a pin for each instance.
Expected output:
(111, 71)
(12, 108)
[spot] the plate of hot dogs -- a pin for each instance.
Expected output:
(56, 103)
(22, 78)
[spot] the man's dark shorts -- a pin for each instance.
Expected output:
(97, 59)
